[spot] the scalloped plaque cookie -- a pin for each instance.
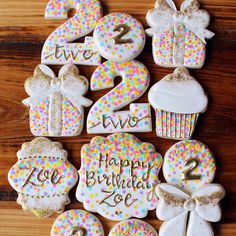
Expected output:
(118, 176)
(42, 177)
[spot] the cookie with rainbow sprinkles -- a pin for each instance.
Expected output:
(118, 175)
(42, 177)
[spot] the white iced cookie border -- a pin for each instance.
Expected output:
(42, 206)
(69, 84)
(179, 93)
(188, 214)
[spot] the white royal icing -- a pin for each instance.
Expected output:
(179, 93)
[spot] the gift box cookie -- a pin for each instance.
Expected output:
(56, 104)
(178, 36)
(178, 99)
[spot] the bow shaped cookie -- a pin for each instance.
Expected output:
(69, 85)
(175, 205)
(165, 16)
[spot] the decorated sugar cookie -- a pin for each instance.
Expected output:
(56, 104)
(189, 164)
(133, 227)
(59, 48)
(42, 177)
(178, 36)
(104, 116)
(77, 223)
(178, 99)
(118, 176)
(188, 214)
(119, 37)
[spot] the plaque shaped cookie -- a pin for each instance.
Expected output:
(178, 36)
(188, 214)
(118, 176)
(42, 177)
(56, 104)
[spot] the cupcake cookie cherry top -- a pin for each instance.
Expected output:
(178, 99)
(178, 36)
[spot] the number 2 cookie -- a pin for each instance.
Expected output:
(77, 223)
(119, 37)
(189, 200)
(133, 227)
(118, 176)
(189, 164)
(42, 177)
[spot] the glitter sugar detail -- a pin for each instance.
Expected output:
(135, 81)
(118, 175)
(174, 164)
(69, 219)
(57, 49)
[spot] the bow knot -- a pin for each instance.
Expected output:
(189, 214)
(178, 17)
(165, 16)
(56, 84)
(69, 84)
(190, 204)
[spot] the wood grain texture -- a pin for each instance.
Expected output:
(23, 31)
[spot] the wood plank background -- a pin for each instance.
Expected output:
(23, 31)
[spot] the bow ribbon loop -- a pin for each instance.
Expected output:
(175, 205)
(165, 16)
(69, 84)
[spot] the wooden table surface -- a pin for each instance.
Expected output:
(23, 31)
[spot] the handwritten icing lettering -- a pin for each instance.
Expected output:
(37, 177)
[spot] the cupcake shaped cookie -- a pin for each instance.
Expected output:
(178, 99)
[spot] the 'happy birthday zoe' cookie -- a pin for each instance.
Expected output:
(77, 223)
(118, 176)
(42, 177)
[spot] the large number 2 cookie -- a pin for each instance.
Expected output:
(42, 177)
(119, 37)
(118, 176)
(104, 116)
(58, 49)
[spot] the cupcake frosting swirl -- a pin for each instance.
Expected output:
(179, 93)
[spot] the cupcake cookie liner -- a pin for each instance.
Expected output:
(174, 125)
